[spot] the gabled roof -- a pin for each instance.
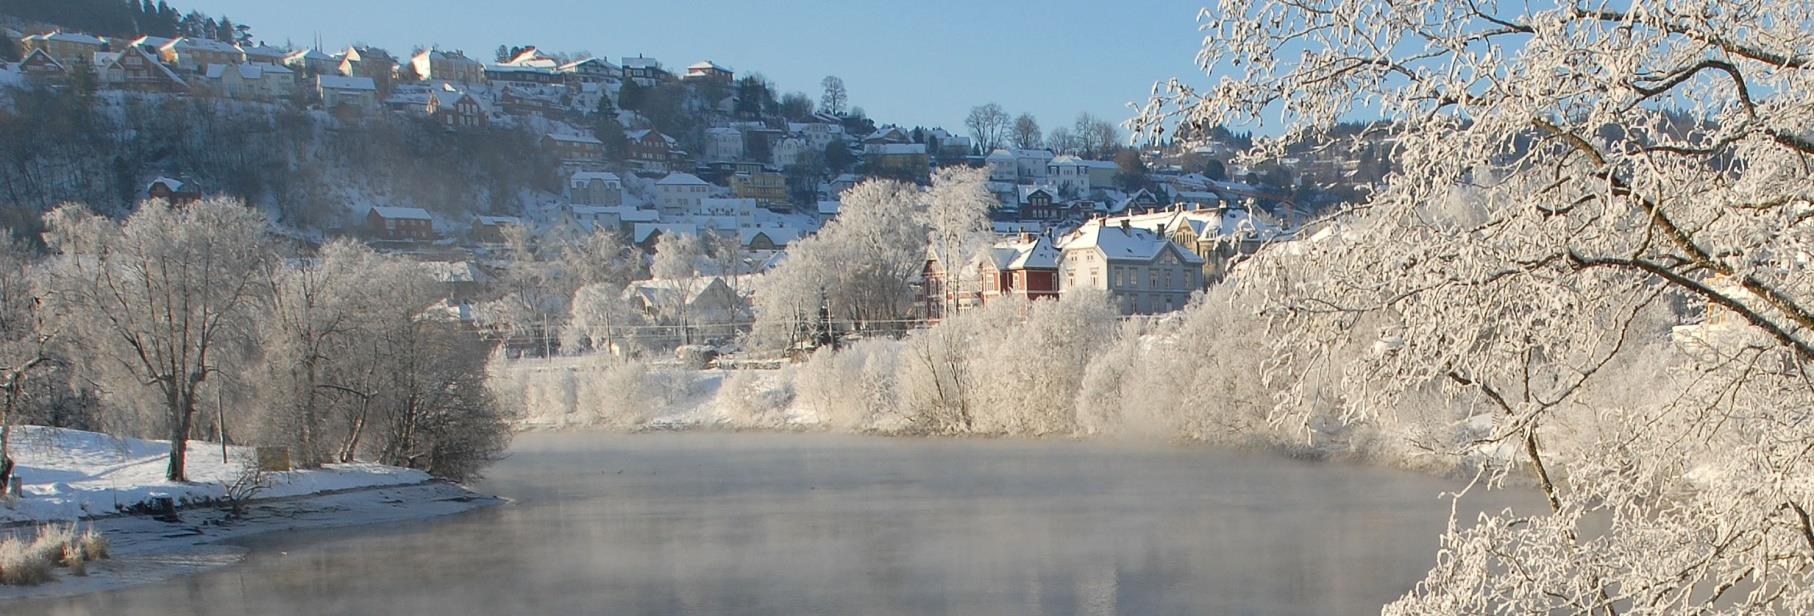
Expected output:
(337, 82)
(1036, 252)
(190, 43)
(499, 221)
(70, 37)
(40, 53)
(780, 236)
(641, 232)
(1122, 243)
(402, 213)
(583, 177)
(705, 65)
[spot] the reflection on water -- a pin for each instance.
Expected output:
(819, 524)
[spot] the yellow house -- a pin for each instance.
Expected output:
(766, 187)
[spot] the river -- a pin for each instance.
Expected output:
(757, 523)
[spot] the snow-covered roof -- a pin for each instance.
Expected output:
(780, 236)
(583, 177)
(829, 207)
(337, 82)
(261, 51)
(309, 55)
(681, 179)
(1000, 155)
(190, 43)
(641, 232)
(639, 134)
(68, 37)
(659, 291)
(1034, 252)
(1122, 242)
(402, 213)
(499, 221)
(1025, 191)
(704, 65)
(247, 71)
(453, 271)
(172, 184)
(641, 62)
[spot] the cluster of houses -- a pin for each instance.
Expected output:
(1147, 262)
(1065, 222)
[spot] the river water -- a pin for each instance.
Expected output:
(714, 523)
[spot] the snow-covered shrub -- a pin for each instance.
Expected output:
(21, 564)
(93, 545)
(851, 388)
(54, 542)
(1030, 360)
(756, 398)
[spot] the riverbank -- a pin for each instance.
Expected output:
(98, 480)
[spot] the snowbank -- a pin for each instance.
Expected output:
(72, 474)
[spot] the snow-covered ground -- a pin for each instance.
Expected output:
(71, 474)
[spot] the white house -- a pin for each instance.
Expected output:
(738, 208)
(350, 92)
(595, 188)
(251, 81)
(723, 144)
(681, 193)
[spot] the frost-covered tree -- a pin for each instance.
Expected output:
(24, 339)
(1565, 172)
(861, 266)
(154, 297)
(957, 213)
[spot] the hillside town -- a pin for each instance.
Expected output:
(645, 149)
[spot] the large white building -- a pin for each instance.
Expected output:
(1142, 271)
(681, 193)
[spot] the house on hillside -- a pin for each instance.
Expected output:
(1221, 236)
(67, 48)
(681, 194)
(260, 54)
(595, 188)
(767, 238)
(722, 143)
(490, 229)
(645, 234)
(347, 94)
(194, 54)
(1143, 272)
(588, 70)
(312, 62)
(400, 223)
(172, 190)
(709, 71)
(39, 67)
(903, 161)
(454, 66)
(646, 72)
(574, 148)
(649, 150)
(371, 62)
(137, 69)
(251, 82)
(457, 108)
(766, 188)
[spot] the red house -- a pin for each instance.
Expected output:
(456, 108)
(1025, 266)
(650, 150)
(400, 223)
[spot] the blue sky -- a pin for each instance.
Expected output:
(914, 63)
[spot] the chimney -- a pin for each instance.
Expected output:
(1126, 227)
(1026, 237)
(1160, 230)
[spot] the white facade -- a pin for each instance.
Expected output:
(1143, 272)
(681, 193)
(723, 144)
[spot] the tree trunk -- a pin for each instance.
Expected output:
(179, 439)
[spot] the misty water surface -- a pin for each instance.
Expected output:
(706, 523)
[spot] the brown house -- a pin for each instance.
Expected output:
(456, 108)
(400, 223)
(39, 66)
(172, 190)
(134, 68)
(650, 150)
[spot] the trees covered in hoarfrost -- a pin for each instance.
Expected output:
(1566, 173)
(861, 266)
(154, 298)
(335, 354)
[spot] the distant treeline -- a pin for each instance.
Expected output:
(127, 17)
